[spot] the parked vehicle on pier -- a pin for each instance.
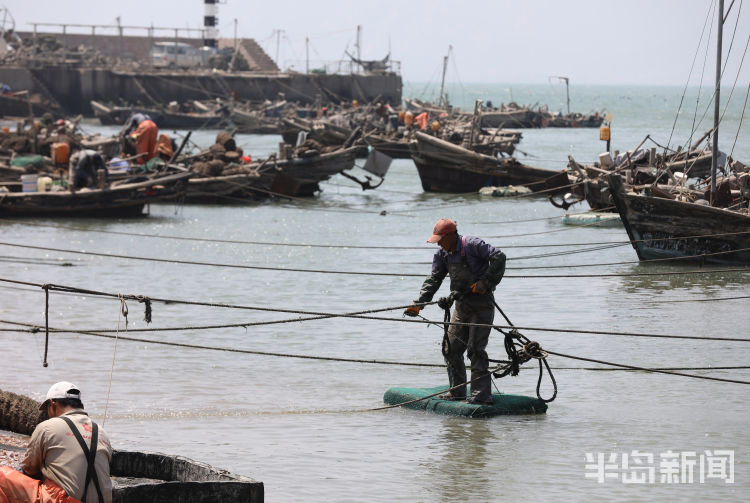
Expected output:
(175, 55)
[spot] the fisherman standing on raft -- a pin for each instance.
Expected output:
(475, 268)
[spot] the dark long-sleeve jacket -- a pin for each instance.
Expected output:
(486, 262)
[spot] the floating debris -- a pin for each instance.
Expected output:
(510, 190)
(597, 219)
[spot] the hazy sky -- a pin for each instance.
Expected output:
(591, 41)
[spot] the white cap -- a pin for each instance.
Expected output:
(62, 389)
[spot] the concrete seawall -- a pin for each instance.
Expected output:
(74, 88)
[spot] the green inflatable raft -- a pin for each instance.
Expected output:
(503, 405)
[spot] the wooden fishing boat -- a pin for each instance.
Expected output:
(570, 119)
(224, 189)
(296, 176)
(418, 106)
(252, 184)
(253, 122)
(573, 120)
(331, 135)
(22, 104)
(323, 132)
(125, 198)
(682, 223)
(396, 146)
(660, 228)
(513, 116)
(445, 167)
(164, 118)
(642, 170)
(392, 146)
(300, 176)
(249, 118)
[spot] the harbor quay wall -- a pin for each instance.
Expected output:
(74, 88)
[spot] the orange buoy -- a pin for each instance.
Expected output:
(604, 133)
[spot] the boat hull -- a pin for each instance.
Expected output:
(445, 167)
(664, 228)
(295, 177)
(227, 189)
(127, 200)
(515, 119)
(114, 116)
(302, 175)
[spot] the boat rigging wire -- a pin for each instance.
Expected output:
(398, 363)
(316, 315)
(741, 118)
(309, 245)
(694, 128)
(633, 367)
(739, 69)
(589, 212)
(713, 96)
(381, 362)
(371, 273)
(602, 264)
(33, 328)
(702, 299)
(302, 245)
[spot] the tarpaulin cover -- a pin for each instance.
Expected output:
(37, 161)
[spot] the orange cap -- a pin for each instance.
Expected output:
(442, 227)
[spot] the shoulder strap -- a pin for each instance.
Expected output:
(463, 246)
(90, 455)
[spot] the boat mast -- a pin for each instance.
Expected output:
(441, 101)
(567, 91)
(715, 148)
(359, 47)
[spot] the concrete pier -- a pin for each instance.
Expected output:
(74, 88)
(73, 83)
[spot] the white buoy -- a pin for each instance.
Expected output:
(510, 190)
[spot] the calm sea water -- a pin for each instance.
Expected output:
(280, 420)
